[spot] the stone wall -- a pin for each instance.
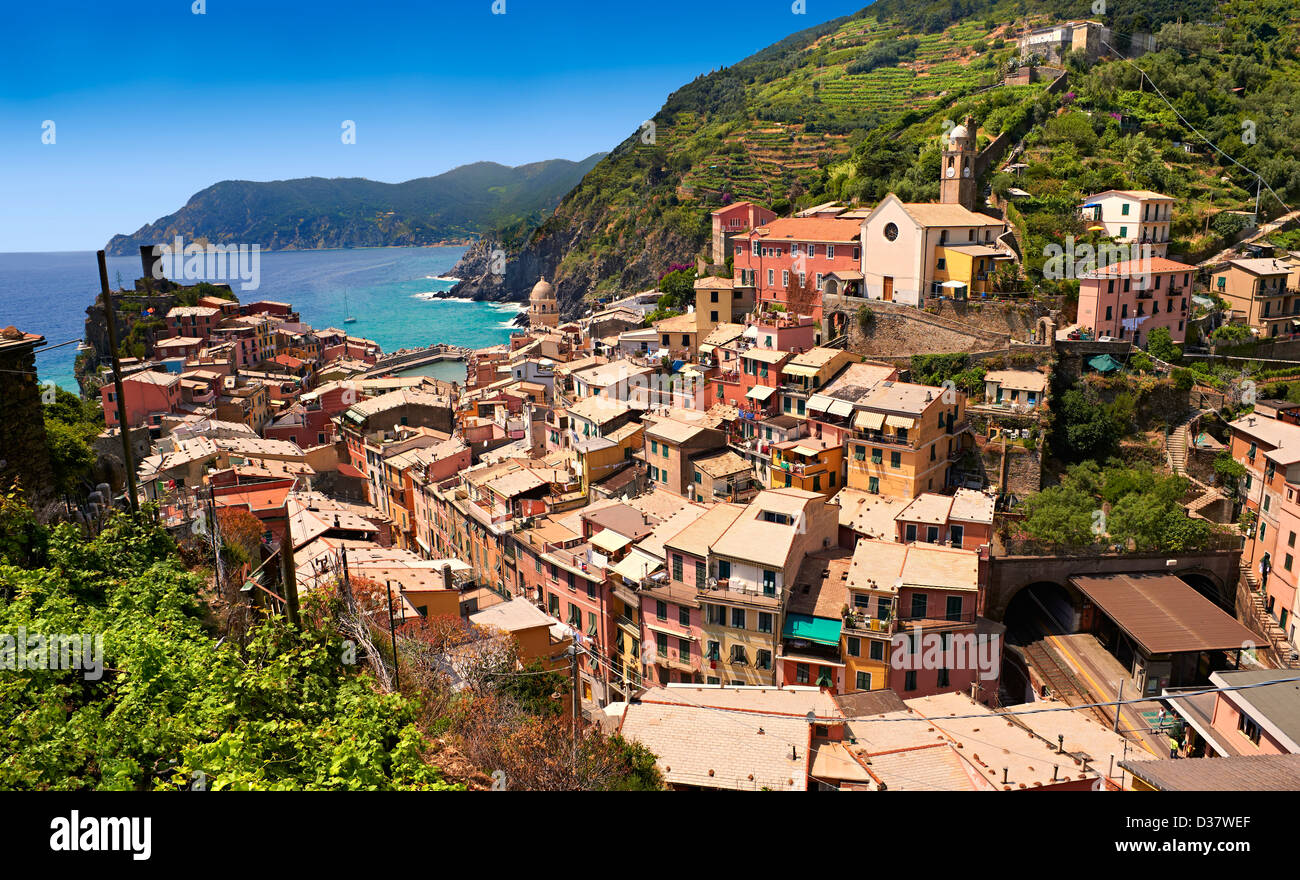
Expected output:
(1009, 468)
(1071, 355)
(108, 455)
(1017, 320)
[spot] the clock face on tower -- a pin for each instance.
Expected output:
(965, 172)
(952, 172)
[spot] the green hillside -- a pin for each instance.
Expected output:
(315, 212)
(854, 108)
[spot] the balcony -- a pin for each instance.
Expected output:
(801, 469)
(885, 439)
(862, 623)
(741, 491)
(927, 623)
(672, 659)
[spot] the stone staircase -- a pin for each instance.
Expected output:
(1177, 445)
(1177, 442)
(1282, 652)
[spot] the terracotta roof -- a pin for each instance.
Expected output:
(676, 324)
(1020, 380)
(754, 539)
(809, 229)
(868, 514)
(1262, 266)
(971, 505)
(1151, 265)
(721, 464)
(820, 588)
(599, 409)
(674, 431)
(929, 508)
(937, 214)
(709, 737)
(697, 537)
(1144, 194)
(882, 566)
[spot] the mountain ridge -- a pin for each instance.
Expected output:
(852, 109)
(319, 212)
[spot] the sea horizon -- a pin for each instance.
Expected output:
(392, 292)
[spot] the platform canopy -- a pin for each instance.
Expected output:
(1163, 614)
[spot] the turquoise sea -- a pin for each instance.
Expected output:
(387, 290)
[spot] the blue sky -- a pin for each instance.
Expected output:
(151, 102)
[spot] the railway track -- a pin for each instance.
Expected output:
(1062, 682)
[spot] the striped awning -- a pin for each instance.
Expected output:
(840, 408)
(819, 402)
(760, 392)
(869, 421)
(900, 421)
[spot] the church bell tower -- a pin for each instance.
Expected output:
(957, 176)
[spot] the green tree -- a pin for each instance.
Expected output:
(1160, 344)
(173, 706)
(1084, 430)
(1062, 515)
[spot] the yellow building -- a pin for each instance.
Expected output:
(901, 438)
(812, 464)
(600, 457)
(972, 265)
(719, 301)
(869, 625)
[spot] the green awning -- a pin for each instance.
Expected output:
(1104, 363)
(821, 630)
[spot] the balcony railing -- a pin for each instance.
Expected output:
(907, 621)
(675, 660)
(886, 439)
(858, 622)
(801, 469)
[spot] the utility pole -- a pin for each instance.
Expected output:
(392, 633)
(288, 573)
(577, 697)
(1119, 705)
(216, 542)
(128, 464)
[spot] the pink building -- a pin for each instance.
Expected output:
(733, 220)
(148, 396)
(802, 250)
(193, 321)
(1129, 300)
(1255, 719)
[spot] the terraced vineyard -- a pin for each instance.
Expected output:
(853, 109)
(775, 154)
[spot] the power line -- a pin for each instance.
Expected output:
(1193, 128)
(45, 348)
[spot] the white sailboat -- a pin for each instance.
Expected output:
(347, 319)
